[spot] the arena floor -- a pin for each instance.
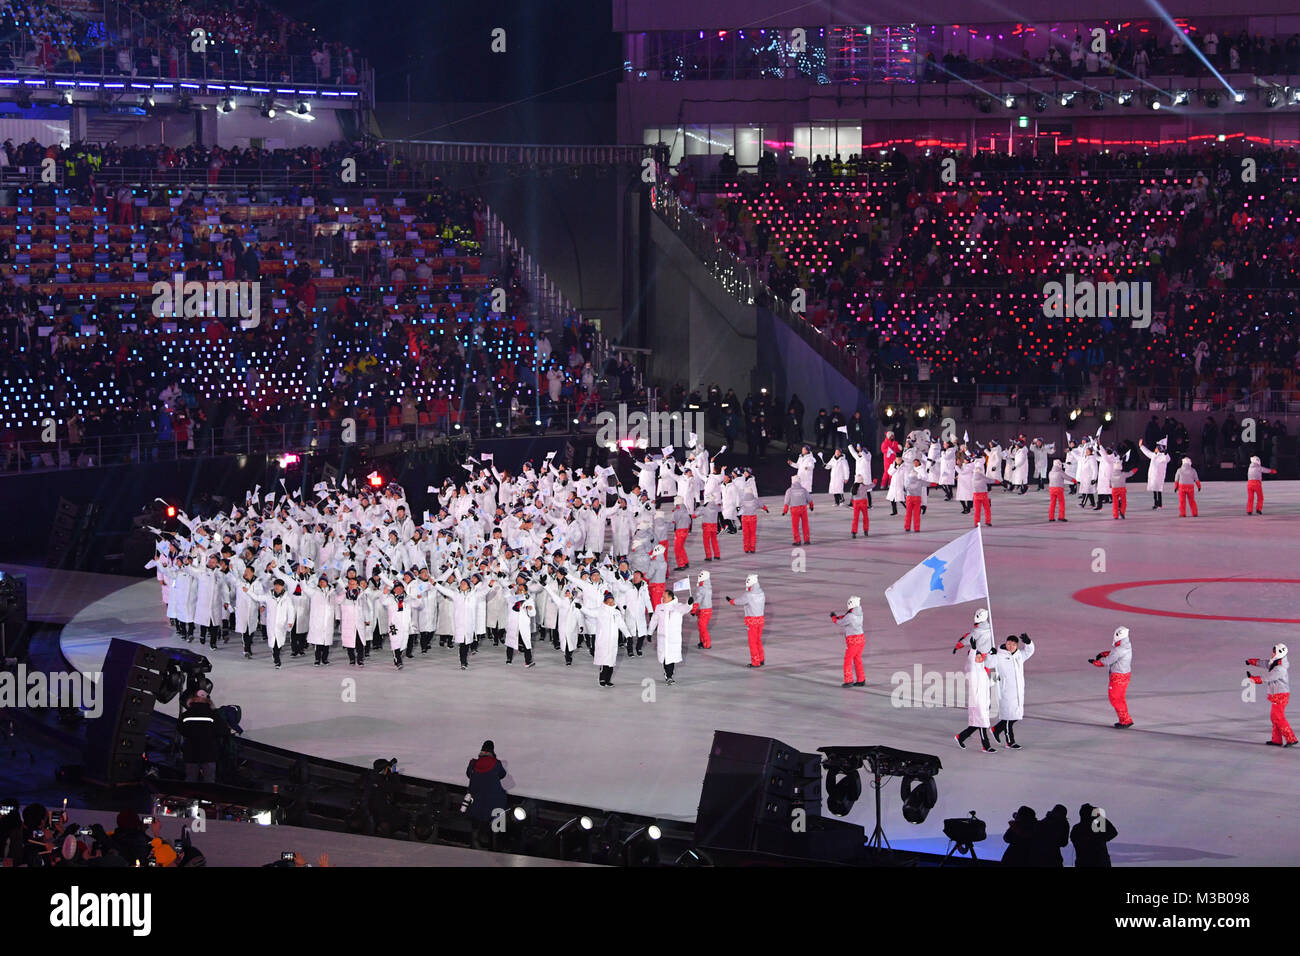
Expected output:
(1191, 783)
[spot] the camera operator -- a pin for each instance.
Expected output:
(486, 795)
(202, 730)
(381, 786)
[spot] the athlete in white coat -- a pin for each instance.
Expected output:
(605, 624)
(804, 468)
(1156, 472)
(977, 701)
(279, 614)
(1009, 662)
(519, 624)
(838, 466)
(320, 620)
(666, 623)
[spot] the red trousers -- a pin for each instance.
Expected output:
(679, 546)
(854, 645)
(711, 541)
(1117, 692)
(754, 625)
(1118, 501)
(703, 615)
(1254, 496)
(749, 533)
(1186, 496)
(1282, 732)
(884, 475)
(798, 519)
(657, 593)
(1057, 496)
(860, 508)
(913, 514)
(982, 502)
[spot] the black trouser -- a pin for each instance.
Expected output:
(377, 639)
(1009, 726)
(568, 656)
(426, 641)
(668, 670)
(606, 675)
(320, 654)
(275, 654)
(397, 656)
(984, 735)
(1040, 482)
(300, 643)
(248, 643)
(839, 500)
(464, 655)
(445, 640)
(355, 654)
(510, 655)
(1158, 498)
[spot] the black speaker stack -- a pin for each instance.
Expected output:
(763, 796)
(128, 687)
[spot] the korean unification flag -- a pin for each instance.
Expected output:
(952, 575)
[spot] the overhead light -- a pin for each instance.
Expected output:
(66, 97)
(1295, 95)
(1125, 98)
(1270, 98)
(1180, 97)
(145, 101)
(1238, 96)
(226, 105)
(1066, 99)
(1152, 100)
(1009, 101)
(304, 107)
(267, 108)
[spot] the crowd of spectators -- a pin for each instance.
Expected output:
(940, 283)
(410, 340)
(155, 38)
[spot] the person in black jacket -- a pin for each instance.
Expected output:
(488, 797)
(1052, 834)
(202, 733)
(1090, 836)
(1020, 837)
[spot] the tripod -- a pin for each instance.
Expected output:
(878, 834)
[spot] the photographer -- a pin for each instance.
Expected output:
(486, 795)
(380, 798)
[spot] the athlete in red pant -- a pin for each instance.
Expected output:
(1279, 694)
(982, 503)
(1255, 473)
(1120, 660)
(1056, 491)
(703, 608)
(679, 548)
(1187, 482)
(658, 587)
(796, 504)
(753, 603)
(855, 642)
(861, 507)
(709, 532)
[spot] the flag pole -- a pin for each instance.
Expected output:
(988, 598)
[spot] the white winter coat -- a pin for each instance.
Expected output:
(666, 623)
(1156, 470)
(977, 691)
(1011, 681)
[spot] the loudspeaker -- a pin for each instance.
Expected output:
(754, 782)
(14, 633)
(117, 740)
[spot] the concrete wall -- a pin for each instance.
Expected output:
(697, 333)
(789, 366)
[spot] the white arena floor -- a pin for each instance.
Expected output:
(1191, 783)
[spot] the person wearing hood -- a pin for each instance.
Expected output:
(1051, 836)
(1279, 693)
(1119, 659)
(709, 517)
(1020, 837)
(861, 507)
(889, 449)
(749, 506)
(658, 576)
(1255, 473)
(1187, 482)
(666, 624)
(1056, 491)
(980, 481)
(1156, 472)
(487, 798)
(797, 503)
(914, 483)
(1090, 836)
(682, 518)
(1118, 485)
(1009, 662)
(855, 642)
(754, 605)
(702, 608)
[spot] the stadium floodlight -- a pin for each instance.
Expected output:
(1009, 101)
(226, 105)
(1124, 98)
(1040, 103)
(1269, 97)
(1295, 95)
(1238, 96)
(1180, 97)
(1153, 101)
(304, 107)
(66, 97)
(1066, 99)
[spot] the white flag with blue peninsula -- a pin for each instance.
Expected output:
(952, 575)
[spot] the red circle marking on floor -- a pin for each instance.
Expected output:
(1101, 597)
